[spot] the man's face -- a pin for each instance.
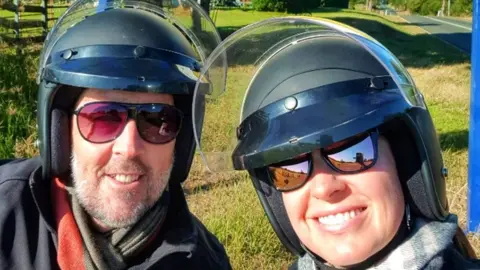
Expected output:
(118, 181)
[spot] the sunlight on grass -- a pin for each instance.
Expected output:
(233, 212)
(9, 16)
(17, 101)
(214, 136)
(445, 83)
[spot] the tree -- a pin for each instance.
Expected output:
(443, 8)
(205, 4)
(197, 22)
(399, 4)
(269, 5)
(334, 3)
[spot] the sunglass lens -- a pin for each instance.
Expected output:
(101, 122)
(291, 174)
(354, 158)
(158, 123)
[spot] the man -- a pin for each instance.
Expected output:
(116, 142)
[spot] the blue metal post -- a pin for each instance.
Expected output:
(473, 218)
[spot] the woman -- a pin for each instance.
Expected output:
(339, 145)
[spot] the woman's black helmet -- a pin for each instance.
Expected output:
(297, 84)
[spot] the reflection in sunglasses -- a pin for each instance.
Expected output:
(88, 126)
(349, 156)
(354, 158)
(164, 130)
(286, 178)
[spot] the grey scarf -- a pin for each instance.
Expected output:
(111, 249)
(421, 250)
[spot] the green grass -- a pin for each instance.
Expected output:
(17, 100)
(237, 219)
(27, 16)
(57, 12)
(227, 202)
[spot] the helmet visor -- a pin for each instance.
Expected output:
(234, 65)
(185, 15)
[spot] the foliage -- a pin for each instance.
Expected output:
(431, 7)
(297, 6)
(269, 5)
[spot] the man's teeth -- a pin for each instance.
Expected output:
(339, 218)
(125, 178)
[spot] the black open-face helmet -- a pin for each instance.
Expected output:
(128, 45)
(297, 84)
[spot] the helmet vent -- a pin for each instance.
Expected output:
(291, 103)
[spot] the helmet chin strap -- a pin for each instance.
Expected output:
(402, 233)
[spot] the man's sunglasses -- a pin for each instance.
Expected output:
(353, 155)
(101, 122)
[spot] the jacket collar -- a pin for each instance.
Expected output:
(40, 189)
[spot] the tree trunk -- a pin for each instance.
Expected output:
(205, 4)
(197, 24)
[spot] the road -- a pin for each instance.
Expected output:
(454, 31)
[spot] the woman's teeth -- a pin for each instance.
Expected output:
(340, 217)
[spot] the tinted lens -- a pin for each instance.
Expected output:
(356, 156)
(290, 174)
(101, 122)
(158, 123)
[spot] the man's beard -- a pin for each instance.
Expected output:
(87, 193)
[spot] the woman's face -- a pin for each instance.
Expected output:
(346, 218)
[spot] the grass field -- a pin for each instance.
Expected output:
(227, 202)
(28, 16)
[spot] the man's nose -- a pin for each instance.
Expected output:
(129, 144)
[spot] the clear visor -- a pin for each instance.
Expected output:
(234, 64)
(187, 15)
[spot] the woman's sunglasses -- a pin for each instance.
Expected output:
(101, 122)
(353, 155)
